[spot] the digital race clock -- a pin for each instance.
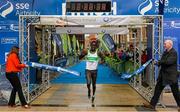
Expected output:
(88, 6)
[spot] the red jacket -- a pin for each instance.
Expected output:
(13, 64)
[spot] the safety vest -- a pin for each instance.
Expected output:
(92, 60)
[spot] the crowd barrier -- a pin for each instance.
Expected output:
(120, 66)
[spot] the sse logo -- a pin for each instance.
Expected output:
(8, 7)
(145, 7)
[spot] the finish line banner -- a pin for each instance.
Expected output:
(52, 68)
(137, 72)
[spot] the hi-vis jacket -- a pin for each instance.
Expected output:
(13, 64)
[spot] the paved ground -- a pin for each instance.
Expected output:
(109, 97)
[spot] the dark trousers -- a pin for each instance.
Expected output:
(159, 88)
(15, 82)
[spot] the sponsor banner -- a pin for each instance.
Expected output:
(47, 7)
(172, 23)
(148, 7)
(11, 9)
(9, 27)
(7, 40)
(171, 30)
(4, 28)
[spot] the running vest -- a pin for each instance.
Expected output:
(92, 61)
